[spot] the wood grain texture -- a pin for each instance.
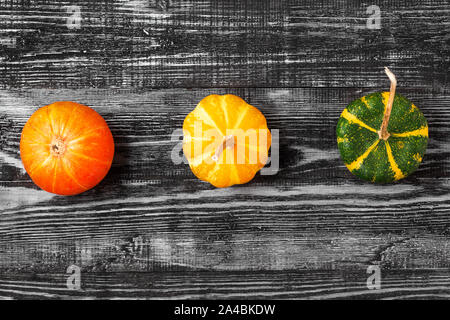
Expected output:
(252, 43)
(151, 229)
(232, 285)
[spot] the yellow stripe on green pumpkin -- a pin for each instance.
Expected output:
(419, 132)
(358, 162)
(352, 118)
(398, 173)
(379, 156)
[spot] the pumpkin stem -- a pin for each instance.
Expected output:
(227, 142)
(383, 133)
(57, 147)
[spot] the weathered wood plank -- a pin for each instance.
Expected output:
(234, 285)
(214, 43)
(313, 214)
(227, 251)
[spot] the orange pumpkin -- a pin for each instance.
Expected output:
(225, 140)
(66, 148)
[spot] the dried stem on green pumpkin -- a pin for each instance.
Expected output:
(383, 133)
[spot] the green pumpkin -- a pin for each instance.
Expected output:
(374, 159)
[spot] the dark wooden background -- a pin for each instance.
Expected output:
(151, 229)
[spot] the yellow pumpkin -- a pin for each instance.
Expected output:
(225, 140)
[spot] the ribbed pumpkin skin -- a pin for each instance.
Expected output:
(87, 142)
(371, 158)
(218, 115)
